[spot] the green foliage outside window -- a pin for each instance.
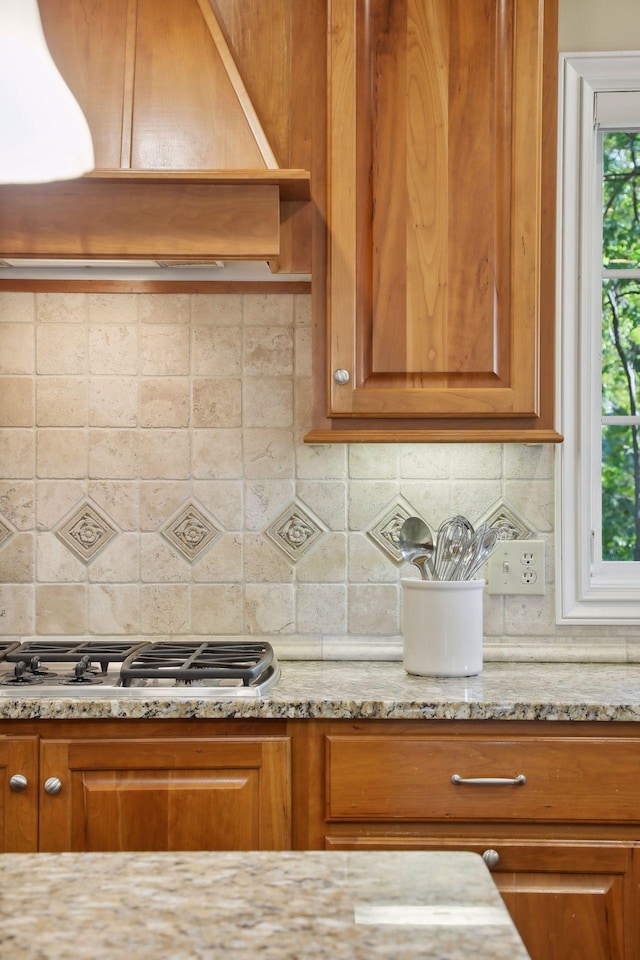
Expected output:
(621, 347)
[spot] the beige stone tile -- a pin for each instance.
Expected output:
(367, 564)
(216, 609)
(529, 461)
(17, 307)
(327, 499)
(159, 500)
(302, 410)
(267, 453)
(268, 351)
(61, 608)
(222, 309)
(432, 501)
(164, 308)
(268, 608)
(424, 461)
(373, 461)
(223, 499)
(216, 352)
(113, 402)
(373, 609)
(120, 500)
(302, 309)
(113, 308)
(326, 562)
(17, 559)
(530, 616)
(321, 461)
(264, 502)
(302, 352)
(476, 460)
(119, 562)
(165, 608)
(61, 453)
(61, 349)
(535, 500)
(165, 454)
(61, 307)
(217, 454)
(17, 453)
(16, 402)
(221, 562)
(263, 563)
(113, 350)
(160, 563)
(217, 402)
(267, 402)
(16, 348)
(367, 499)
(321, 608)
(61, 401)
(268, 309)
(164, 351)
(164, 402)
(493, 614)
(56, 563)
(472, 498)
(55, 499)
(17, 503)
(113, 454)
(16, 609)
(114, 609)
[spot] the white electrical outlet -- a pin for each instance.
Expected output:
(517, 566)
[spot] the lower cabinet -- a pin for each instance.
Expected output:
(19, 798)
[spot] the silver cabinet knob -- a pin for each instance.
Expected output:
(341, 376)
(52, 786)
(491, 858)
(18, 783)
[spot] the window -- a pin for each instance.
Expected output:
(598, 480)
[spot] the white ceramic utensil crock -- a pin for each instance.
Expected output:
(442, 627)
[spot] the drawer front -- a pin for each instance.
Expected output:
(410, 778)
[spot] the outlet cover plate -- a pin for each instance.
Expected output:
(517, 567)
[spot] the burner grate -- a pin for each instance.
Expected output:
(97, 651)
(211, 660)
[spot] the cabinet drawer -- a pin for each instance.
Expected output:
(410, 778)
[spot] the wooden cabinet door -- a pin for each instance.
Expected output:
(19, 801)
(568, 899)
(440, 216)
(230, 793)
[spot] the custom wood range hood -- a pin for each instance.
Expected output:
(196, 109)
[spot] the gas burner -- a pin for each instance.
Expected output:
(101, 652)
(20, 678)
(82, 674)
(187, 663)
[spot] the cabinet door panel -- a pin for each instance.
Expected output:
(209, 794)
(568, 899)
(19, 810)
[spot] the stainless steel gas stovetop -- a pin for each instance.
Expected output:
(206, 669)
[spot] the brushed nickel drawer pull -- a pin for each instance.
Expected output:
(519, 781)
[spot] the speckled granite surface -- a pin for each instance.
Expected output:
(360, 689)
(278, 906)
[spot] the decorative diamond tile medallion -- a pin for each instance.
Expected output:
(87, 531)
(295, 530)
(385, 531)
(510, 523)
(191, 531)
(5, 531)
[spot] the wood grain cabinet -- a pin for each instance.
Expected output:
(440, 221)
(553, 808)
(19, 794)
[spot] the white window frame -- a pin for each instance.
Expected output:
(587, 592)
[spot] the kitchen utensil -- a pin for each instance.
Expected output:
(451, 540)
(416, 545)
(476, 552)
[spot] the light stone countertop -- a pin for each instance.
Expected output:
(279, 906)
(373, 689)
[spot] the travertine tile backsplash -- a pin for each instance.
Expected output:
(153, 481)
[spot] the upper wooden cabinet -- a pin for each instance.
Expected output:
(439, 300)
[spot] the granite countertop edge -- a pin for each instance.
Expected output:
(356, 690)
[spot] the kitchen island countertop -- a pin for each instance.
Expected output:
(333, 689)
(279, 906)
